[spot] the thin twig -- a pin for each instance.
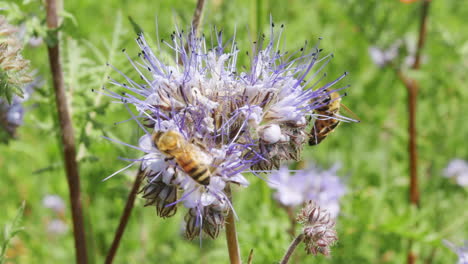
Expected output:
(292, 219)
(196, 22)
(197, 16)
(431, 256)
(249, 260)
(67, 135)
(412, 88)
(231, 234)
(422, 33)
(124, 218)
(291, 248)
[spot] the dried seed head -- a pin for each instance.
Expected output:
(319, 229)
(160, 194)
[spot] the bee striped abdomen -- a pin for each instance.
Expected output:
(201, 175)
(198, 172)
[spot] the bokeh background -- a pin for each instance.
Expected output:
(376, 221)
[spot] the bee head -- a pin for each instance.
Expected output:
(167, 140)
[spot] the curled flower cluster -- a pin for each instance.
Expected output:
(312, 183)
(318, 229)
(462, 251)
(226, 122)
(13, 68)
(11, 114)
(457, 169)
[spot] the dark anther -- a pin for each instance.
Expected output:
(273, 24)
(123, 50)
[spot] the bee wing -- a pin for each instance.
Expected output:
(347, 119)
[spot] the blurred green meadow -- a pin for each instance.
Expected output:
(376, 221)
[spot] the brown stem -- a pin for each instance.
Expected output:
(291, 248)
(67, 135)
(231, 234)
(197, 16)
(124, 218)
(431, 256)
(249, 260)
(196, 22)
(412, 87)
(422, 33)
(292, 219)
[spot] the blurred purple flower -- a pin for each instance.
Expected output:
(238, 121)
(56, 227)
(54, 202)
(457, 169)
(382, 57)
(313, 183)
(462, 251)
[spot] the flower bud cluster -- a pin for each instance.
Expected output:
(318, 229)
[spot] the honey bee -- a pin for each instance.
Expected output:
(328, 118)
(188, 156)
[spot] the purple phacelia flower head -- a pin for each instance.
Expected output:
(462, 251)
(457, 169)
(313, 183)
(234, 121)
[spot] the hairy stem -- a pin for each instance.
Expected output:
(67, 136)
(231, 234)
(291, 248)
(124, 218)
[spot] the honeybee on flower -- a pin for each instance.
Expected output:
(229, 122)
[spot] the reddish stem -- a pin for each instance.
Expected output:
(67, 136)
(412, 87)
(124, 218)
